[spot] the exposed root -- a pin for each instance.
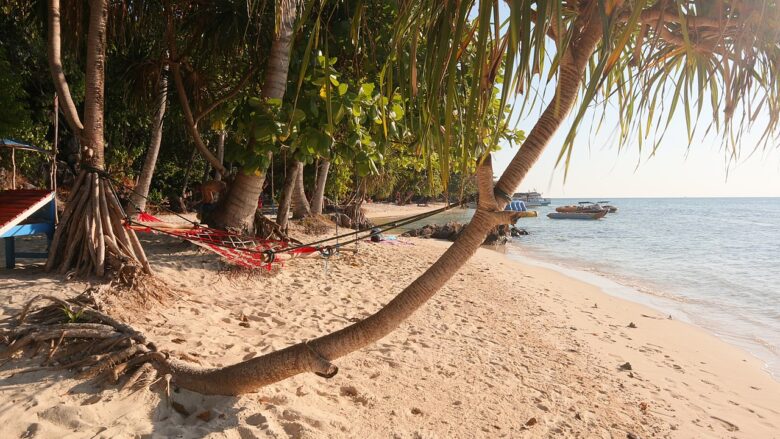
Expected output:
(75, 334)
(91, 237)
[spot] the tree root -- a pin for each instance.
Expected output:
(76, 335)
(267, 229)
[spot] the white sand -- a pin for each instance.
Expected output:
(501, 345)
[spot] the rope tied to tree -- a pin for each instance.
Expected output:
(248, 251)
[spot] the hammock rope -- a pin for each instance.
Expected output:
(246, 251)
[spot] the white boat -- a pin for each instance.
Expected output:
(531, 199)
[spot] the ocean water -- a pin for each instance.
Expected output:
(714, 262)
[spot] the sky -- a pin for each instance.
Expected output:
(599, 170)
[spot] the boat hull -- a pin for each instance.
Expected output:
(577, 215)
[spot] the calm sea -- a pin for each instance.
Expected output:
(714, 262)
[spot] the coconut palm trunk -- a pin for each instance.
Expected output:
(141, 191)
(318, 198)
(301, 207)
(316, 355)
(90, 237)
(237, 211)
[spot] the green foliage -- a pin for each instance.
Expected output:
(14, 114)
(73, 317)
(654, 61)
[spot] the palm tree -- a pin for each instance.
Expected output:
(238, 209)
(141, 190)
(90, 236)
(731, 47)
(595, 42)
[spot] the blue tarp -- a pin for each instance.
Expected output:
(18, 145)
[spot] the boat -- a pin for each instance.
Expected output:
(531, 199)
(582, 207)
(606, 205)
(578, 215)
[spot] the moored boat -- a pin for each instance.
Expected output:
(531, 199)
(582, 207)
(609, 207)
(578, 215)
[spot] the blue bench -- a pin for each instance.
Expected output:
(25, 213)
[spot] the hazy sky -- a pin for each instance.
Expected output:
(599, 170)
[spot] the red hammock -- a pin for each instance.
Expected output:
(240, 250)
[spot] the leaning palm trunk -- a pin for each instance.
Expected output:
(238, 208)
(301, 208)
(141, 191)
(318, 198)
(90, 237)
(316, 355)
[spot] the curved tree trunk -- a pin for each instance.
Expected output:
(90, 236)
(189, 119)
(301, 208)
(318, 198)
(315, 355)
(57, 73)
(285, 199)
(238, 209)
(141, 191)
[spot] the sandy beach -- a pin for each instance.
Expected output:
(504, 350)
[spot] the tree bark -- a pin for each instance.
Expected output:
(220, 153)
(237, 212)
(90, 237)
(57, 73)
(187, 173)
(238, 208)
(315, 355)
(318, 198)
(285, 199)
(94, 98)
(189, 119)
(301, 207)
(141, 191)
